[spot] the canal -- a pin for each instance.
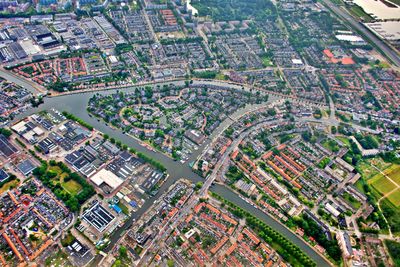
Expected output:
(76, 104)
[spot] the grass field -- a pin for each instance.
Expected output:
(394, 173)
(266, 61)
(124, 208)
(220, 76)
(72, 187)
(55, 169)
(359, 12)
(351, 200)
(382, 184)
(58, 259)
(394, 198)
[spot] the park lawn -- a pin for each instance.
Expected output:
(394, 198)
(72, 187)
(331, 145)
(55, 169)
(344, 140)
(382, 184)
(266, 61)
(220, 76)
(366, 170)
(8, 185)
(351, 200)
(67, 240)
(360, 185)
(58, 259)
(325, 113)
(60, 175)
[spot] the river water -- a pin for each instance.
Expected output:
(77, 103)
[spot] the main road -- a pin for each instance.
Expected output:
(388, 51)
(77, 103)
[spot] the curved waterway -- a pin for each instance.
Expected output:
(76, 104)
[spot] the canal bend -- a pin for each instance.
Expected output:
(76, 104)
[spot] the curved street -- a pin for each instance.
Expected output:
(76, 104)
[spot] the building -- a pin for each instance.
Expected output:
(106, 177)
(98, 217)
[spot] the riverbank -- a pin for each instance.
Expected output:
(76, 105)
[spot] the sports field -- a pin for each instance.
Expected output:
(383, 185)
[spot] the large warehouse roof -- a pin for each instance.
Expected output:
(105, 176)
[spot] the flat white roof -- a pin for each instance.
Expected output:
(332, 210)
(349, 38)
(389, 30)
(19, 127)
(28, 135)
(105, 176)
(379, 9)
(38, 130)
(297, 61)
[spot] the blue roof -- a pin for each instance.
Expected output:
(117, 209)
(133, 204)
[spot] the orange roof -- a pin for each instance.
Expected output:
(219, 245)
(13, 198)
(213, 209)
(251, 236)
(231, 249)
(3, 262)
(173, 212)
(199, 207)
(189, 218)
(157, 257)
(267, 155)
(328, 53)
(234, 154)
(347, 61)
(228, 219)
(13, 248)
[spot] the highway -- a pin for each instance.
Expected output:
(388, 52)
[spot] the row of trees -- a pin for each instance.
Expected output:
(141, 155)
(312, 229)
(78, 120)
(287, 250)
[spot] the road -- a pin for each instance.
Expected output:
(392, 55)
(76, 104)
